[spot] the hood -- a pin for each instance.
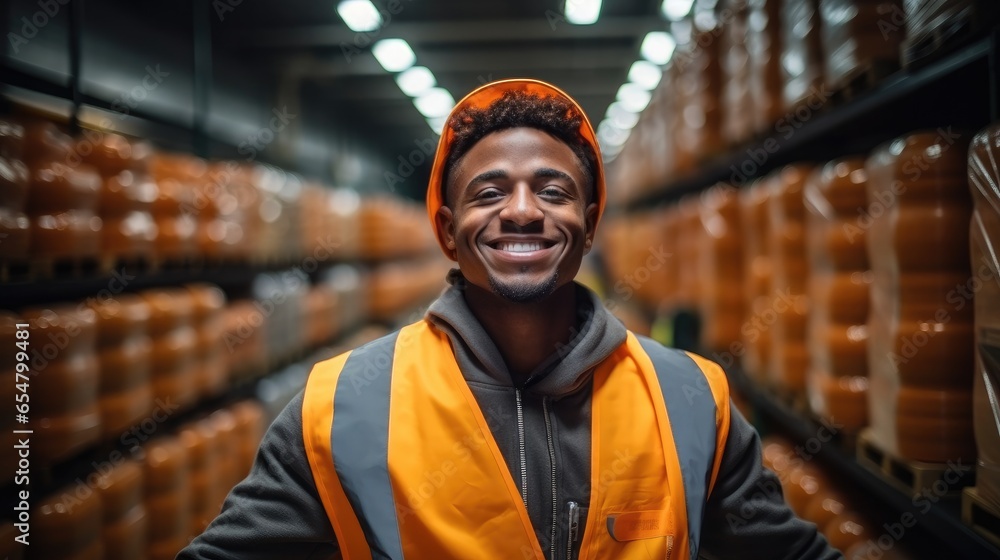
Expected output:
(481, 98)
(597, 335)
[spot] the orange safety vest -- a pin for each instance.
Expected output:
(406, 466)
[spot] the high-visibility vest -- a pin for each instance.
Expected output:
(407, 467)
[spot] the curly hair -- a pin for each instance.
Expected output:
(515, 109)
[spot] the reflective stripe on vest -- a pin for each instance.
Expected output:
(407, 467)
(690, 403)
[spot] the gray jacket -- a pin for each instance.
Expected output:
(276, 511)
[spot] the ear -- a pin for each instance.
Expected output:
(590, 220)
(445, 222)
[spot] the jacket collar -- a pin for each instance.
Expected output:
(568, 368)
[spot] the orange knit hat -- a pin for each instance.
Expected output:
(481, 98)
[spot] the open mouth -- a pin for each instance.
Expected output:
(520, 246)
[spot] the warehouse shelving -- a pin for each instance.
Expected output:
(961, 90)
(942, 521)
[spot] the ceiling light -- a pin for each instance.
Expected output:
(645, 74)
(676, 9)
(435, 102)
(437, 124)
(395, 55)
(621, 117)
(360, 15)
(416, 81)
(633, 97)
(658, 47)
(610, 135)
(582, 12)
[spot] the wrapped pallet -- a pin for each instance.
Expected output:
(920, 349)
(789, 298)
(802, 59)
(933, 27)
(720, 264)
(839, 282)
(737, 102)
(984, 180)
(756, 335)
(860, 36)
(764, 46)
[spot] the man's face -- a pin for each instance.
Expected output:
(518, 215)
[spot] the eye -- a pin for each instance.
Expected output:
(552, 191)
(487, 194)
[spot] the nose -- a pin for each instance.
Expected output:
(522, 207)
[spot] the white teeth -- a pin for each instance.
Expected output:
(520, 247)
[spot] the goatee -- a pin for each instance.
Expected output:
(524, 292)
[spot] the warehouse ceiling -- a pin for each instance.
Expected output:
(311, 52)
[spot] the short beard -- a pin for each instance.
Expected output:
(523, 292)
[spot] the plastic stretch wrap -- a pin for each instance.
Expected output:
(199, 439)
(857, 34)
(211, 363)
(124, 512)
(682, 88)
(802, 59)
(920, 349)
(14, 224)
(689, 235)
(757, 261)
(737, 102)
(661, 115)
(167, 496)
(64, 415)
(721, 268)
(124, 351)
(62, 197)
(839, 282)
(701, 116)
(984, 180)
(126, 195)
(789, 303)
(764, 46)
(180, 215)
(175, 341)
(933, 25)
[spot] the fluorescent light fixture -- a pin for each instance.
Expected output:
(676, 9)
(435, 102)
(609, 153)
(633, 97)
(657, 47)
(395, 55)
(621, 117)
(582, 12)
(415, 81)
(645, 74)
(360, 15)
(437, 124)
(610, 135)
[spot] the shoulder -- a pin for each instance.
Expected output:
(686, 367)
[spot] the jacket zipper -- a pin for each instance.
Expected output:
(574, 528)
(552, 462)
(520, 443)
(670, 546)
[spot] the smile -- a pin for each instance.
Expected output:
(520, 250)
(519, 247)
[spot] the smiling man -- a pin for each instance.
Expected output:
(519, 418)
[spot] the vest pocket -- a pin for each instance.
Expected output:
(638, 525)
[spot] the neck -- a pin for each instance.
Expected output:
(525, 333)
